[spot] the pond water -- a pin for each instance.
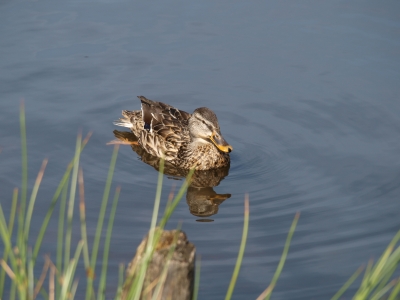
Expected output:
(307, 93)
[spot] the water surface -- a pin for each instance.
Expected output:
(306, 92)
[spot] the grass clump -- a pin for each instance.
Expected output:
(19, 260)
(377, 282)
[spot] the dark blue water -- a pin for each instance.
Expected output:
(307, 93)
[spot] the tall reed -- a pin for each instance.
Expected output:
(19, 260)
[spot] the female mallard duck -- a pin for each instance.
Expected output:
(185, 140)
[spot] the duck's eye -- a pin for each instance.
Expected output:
(208, 126)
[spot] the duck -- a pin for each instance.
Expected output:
(187, 141)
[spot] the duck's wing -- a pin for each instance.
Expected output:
(165, 128)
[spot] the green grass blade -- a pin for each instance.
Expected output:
(71, 202)
(156, 205)
(47, 217)
(33, 199)
(383, 259)
(13, 211)
(22, 209)
(170, 209)
(10, 230)
(170, 198)
(388, 271)
(367, 272)
(138, 283)
(73, 289)
(99, 228)
(267, 293)
(393, 260)
(103, 277)
(133, 290)
(241, 250)
(378, 271)
(39, 282)
(30, 276)
(70, 271)
(348, 283)
(24, 159)
(60, 237)
(120, 281)
(197, 279)
(5, 234)
(82, 214)
(395, 292)
(27, 227)
(77, 254)
(381, 292)
(57, 193)
(21, 276)
(164, 272)
(24, 188)
(13, 290)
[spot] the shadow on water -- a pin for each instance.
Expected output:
(201, 198)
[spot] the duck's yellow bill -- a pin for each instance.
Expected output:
(220, 142)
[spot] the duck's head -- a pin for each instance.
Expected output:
(203, 125)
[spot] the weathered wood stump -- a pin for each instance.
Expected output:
(178, 283)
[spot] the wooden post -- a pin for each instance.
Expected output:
(178, 283)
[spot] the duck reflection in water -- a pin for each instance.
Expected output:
(203, 201)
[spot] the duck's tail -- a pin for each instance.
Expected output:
(127, 119)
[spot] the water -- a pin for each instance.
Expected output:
(306, 92)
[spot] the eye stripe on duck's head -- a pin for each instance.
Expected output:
(207, 117)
